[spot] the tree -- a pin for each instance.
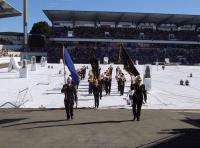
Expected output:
(41, 28)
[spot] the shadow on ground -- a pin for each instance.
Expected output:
(6, 121)
(59, 125)
(180, 138)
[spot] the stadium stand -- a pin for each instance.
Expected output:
(126, 33)
(148, 37)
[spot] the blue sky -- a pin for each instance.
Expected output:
(36, 14)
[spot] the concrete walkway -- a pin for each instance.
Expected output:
(98, 128)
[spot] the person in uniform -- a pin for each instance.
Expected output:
(138, 97)
(122, 81)
(107, 83)
(90, 80)
(118, 78)
(84, 71)
(117, 70)
(110, 70)
(96, 92)
(101, 83)
(70, 93)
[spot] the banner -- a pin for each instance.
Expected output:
(127, 61)
(68, 61)
(95, 67)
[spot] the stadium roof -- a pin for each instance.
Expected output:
(103, 16)
(6, 10)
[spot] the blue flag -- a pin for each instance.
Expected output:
(70, 65)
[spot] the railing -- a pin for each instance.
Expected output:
(123, 41)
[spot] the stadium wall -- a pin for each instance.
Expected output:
(11, 47)
(5, 60)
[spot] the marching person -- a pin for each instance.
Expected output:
(118, 77)
(70, 93)
(138, 96)
(90, 80)
(101, 83)
(96, 92)
(117, 70)
(122, 81)
(84, 71)
(107, 83)
(110, 70)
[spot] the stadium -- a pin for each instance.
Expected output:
(148, 37)
(150, 40)
(99, 78)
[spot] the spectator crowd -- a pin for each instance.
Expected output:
(126, 33)
(151, 53)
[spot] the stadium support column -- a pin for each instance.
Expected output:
(25, 27)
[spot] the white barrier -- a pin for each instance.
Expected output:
(147, 83)
(167, 61)
(33, 64)
(147, 77)
(23, 71)
(43, 61)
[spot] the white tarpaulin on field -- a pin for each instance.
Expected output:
(44, 88)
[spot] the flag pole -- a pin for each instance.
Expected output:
(64, 64)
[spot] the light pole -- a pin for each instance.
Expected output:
(25, 28)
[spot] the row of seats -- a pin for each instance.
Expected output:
(126, 33)
(150, 54)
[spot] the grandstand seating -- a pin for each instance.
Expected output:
(148, 37)
(125, 33)
(5, 42)
(144, 53)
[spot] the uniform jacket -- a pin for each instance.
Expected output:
(96, 90)
(140, 92)
(70, 92)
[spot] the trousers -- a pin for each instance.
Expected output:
(136, 108)
(69, 108)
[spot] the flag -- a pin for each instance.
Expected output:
(68, 61)
(95, 67)
(127, 61)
